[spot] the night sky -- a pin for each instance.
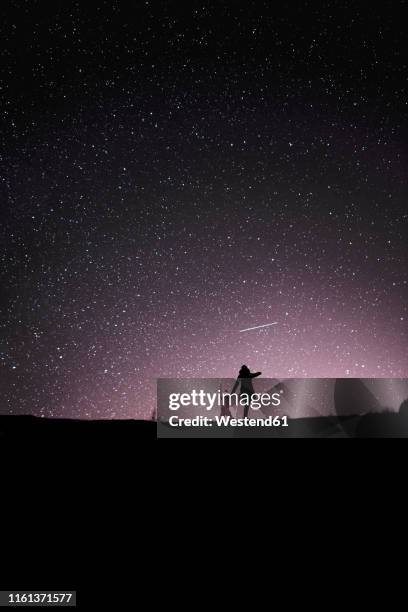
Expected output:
(172, 173)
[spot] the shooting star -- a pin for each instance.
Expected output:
(257, 327)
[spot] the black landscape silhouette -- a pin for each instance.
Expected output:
(37, 431)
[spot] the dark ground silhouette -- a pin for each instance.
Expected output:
(385, 424)
(34, 430)
(38, 431)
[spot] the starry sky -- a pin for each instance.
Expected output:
(174, 172)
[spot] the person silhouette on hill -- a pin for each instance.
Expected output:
(244, 379)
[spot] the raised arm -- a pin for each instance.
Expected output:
(253, 374)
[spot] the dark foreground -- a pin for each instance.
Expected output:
(59, 431)
(31, 429)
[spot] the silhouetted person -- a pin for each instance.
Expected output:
(244, 379)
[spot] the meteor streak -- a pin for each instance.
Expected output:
(257, 327)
